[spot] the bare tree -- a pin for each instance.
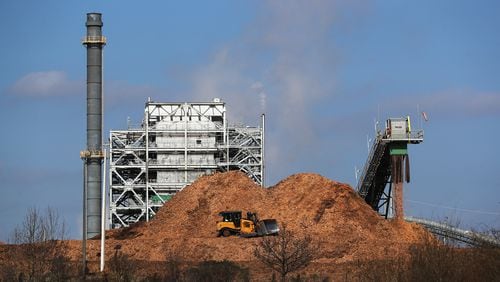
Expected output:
(285, 252)
(38, 236)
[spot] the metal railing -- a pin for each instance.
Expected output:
(369, 162)
(94, 39)
(417, 135)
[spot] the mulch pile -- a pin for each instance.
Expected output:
(340, 222)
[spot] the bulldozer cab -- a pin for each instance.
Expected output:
(252, 216)
(231, 216)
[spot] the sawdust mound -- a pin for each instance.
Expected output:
(340, 222)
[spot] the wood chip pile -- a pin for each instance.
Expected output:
(339, 221)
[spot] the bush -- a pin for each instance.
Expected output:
(434, 261)
(217, 271)
(121, 267)
(173, 270)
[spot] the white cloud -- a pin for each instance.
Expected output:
(47, 83)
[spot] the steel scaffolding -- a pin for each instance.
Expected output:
(184, 142)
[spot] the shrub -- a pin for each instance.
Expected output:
(217, 271)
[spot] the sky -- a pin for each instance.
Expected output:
(323, 72)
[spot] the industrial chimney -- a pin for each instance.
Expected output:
(93, 155)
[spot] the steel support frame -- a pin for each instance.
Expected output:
(245, 152)
(127, 177)
(384, 204)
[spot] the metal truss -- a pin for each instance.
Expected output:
(177, 143)
(127, 176)
(244, 152)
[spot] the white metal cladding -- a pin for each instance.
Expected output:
(185, 141)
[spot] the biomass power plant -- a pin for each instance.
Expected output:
(175, 144)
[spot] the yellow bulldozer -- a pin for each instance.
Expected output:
(233, 224)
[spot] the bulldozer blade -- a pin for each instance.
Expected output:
(267, 227)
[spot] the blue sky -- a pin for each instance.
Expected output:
(323, 71)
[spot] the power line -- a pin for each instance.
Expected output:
(452, 208)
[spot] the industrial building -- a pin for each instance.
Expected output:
(176, 144)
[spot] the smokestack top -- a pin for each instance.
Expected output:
(93, 19)
(94, 36)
